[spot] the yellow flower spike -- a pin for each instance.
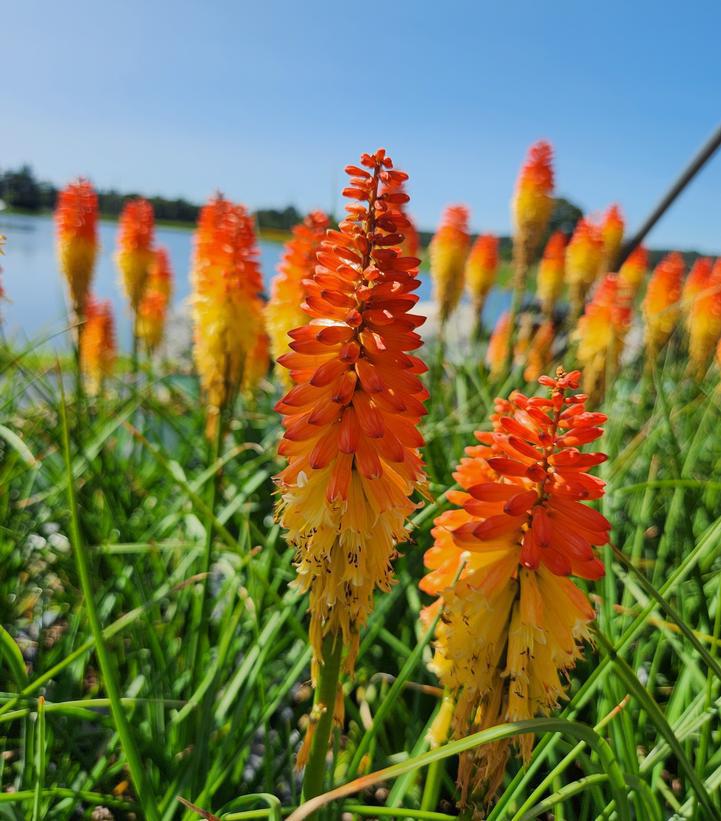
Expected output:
(551, 272)
(448, 251)
(481, 271)
(76, 219)
(703, 319)
(136, 228)
(226, 304)
(153, 307)
(601, 333)
(633, 271)
(496, 354)
(661, 306)
(612, 228)
(97, 344)
(532, 203)
(538, 358)
(584, 259)
(284, 311)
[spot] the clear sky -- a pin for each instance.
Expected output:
(268, 100)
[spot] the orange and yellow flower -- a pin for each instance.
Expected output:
(497, 351)
(351, 437)
(513, 623)
(76, 218)
(153, 307)
(539, 355)
(661, 306)
(404, 222)
(633, 271)
(612, 227)
(226, 302)
(703, 314)
(448, 252)
(284, 310)
(601, 333)
(551, 272)
(134, 257)
(532, 203)
(482, 270)
(97, 344)
(584, 259)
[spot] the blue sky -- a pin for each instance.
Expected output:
(267, 101)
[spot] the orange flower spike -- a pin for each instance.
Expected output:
(404, 222)
(633, 271)
(448, 252)
(284, 310)
(513, 624)
(496, 353)
(150, 323)
(612, 228)
(482, 269)
(226, 303)
(703, 318)
(76, 220)
(532, 203)
(539, 356)
(551, 272)
(160, 273)
(351, 437)
(584, 258)
(134, 257)
(661, 305)
(601, 332)
(97, 344)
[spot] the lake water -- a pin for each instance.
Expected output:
(36, 290)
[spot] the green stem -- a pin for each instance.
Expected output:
(323, 707)
(204, 605)
(135, 765)
(432, 787)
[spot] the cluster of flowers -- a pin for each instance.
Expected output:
(512, 620)
(145, 275)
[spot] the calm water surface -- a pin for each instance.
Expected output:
(36, 291)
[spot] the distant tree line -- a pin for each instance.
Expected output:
(20, 189)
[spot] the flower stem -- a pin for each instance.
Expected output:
(323, 706)
(107, 668)
(432, 787)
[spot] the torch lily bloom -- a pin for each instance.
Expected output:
(76, 218)
(513, 622)
(448, 252)
(612, 227)
(538, 356)
(703, 318)
(532, 204)
(661, 305)
(551, 272)
(284, 311)
(601, 332)
(584, 258)
(351, 437)
(481, 271)
(97, 344)
(153, 307)
(497, 351)
(633, 271)
(226, 303)
(136, 228)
